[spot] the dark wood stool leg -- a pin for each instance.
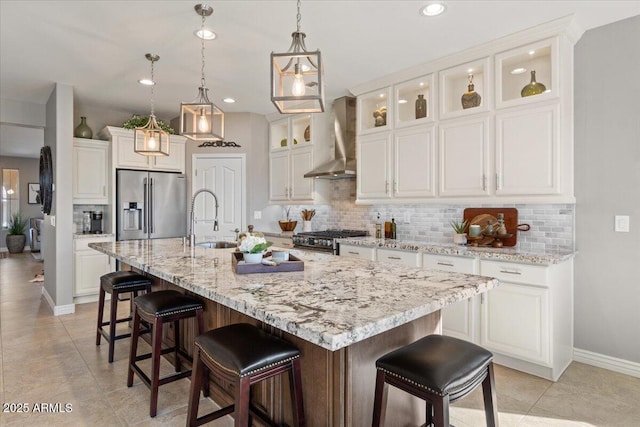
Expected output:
(429, 412)
(490, 401)
(134, 345)
(196, 385)
(441, 411)
(100, 315)
(176, 335)
(243, 396)
(156, 355)
(113, 318)
(295, 384)
(380, 400)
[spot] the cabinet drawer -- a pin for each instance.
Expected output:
(398, 257)
(357, 252)
(83, 244)
(515, 273)
(455, 264)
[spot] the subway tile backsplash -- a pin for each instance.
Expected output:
(552, 225)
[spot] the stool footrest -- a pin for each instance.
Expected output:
(215, 415)
(168, 379)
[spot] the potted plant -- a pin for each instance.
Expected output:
(16, 238)
(252, 248)
(460, 228)
(137, 121)
(288, 224)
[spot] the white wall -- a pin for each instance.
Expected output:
(22, 113)
(607, 183)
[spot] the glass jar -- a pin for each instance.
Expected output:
(86, 222)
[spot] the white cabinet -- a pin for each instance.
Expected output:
(397, 165)
(91, 167)
(89, 266)
(125, 157)
(527, 322)
(395, 256)
(292, 154)
(356, 251)
(459, 320)
(464, 157)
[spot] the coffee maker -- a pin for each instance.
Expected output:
(96, 222)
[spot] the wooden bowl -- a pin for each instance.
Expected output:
(287, 225)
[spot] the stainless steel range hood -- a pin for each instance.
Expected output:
(344, 163)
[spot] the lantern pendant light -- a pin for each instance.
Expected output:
(150, 139)
(201, 119)
(297, 84)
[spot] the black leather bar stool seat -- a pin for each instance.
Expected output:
(116, 283)
(158, 308)
(440, 370)
(243, 355)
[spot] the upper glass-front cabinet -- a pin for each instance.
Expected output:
(374, 113)
(414, 101)
(290, 132)
(465, 89)
(527, 74)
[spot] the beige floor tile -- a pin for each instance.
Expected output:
(178, 417)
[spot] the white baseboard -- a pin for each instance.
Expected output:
(58, 309)
(607, 362)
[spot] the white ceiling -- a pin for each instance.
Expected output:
(98, 47)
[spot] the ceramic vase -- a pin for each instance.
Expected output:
(306, 225)
(471, 98)
(533, 88)
(252, 258)
(460, 238)
(83, 130)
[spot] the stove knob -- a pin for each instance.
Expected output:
(329, 243)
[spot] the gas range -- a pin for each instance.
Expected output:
(324, 240)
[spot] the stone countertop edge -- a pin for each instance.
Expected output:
(91, 236)
(333, 303)
(508, 254)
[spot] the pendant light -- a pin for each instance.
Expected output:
(201, 119)
(150, 139)
(297, 77)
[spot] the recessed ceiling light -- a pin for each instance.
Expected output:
(421, 83)
(532, 52)
(432, 9)
(146, 82)
(382, 95)
(402, 101)
(205, 34)
(229, 100)
(518, 70)
(470, 70)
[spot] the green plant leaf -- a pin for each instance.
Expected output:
(261, 247)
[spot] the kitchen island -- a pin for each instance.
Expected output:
(342, 314)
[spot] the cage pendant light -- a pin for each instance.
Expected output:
(297, 84)
(150, 139)
(201, 119)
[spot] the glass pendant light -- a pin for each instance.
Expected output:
(297, 77)
(150, 139)
(201, 119)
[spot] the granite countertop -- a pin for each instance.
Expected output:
(511, 254)
(334, 302)
(91, 236)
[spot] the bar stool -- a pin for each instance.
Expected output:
(158, 308)
(243, 355)
(440, 370)
(116, 283)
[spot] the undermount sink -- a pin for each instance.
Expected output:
(217, 245)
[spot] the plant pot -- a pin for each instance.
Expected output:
(252, 258)
(460, 239)
(15, 243)
(287, 225)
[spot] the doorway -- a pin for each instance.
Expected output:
(225, 175)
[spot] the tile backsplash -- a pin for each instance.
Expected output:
(552, 225)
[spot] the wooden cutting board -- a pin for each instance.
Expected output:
(480, 216)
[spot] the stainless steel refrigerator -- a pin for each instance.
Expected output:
(150, 205)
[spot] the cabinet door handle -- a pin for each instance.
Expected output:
(498, 182)
(395, 187)
(445, 263)
(484, 182)
(386, 187)
(510, 272)
(104, 190)
(394, 257)
(354, 253)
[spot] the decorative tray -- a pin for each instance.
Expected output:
(241, 267)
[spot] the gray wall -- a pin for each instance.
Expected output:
(607, 183)
(29, 172)
(58, 134)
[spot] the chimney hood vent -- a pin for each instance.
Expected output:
(344, 164)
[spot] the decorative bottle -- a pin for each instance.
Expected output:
(378, 228)
(533, 88)
(471, 98)
(393, 228)
(83, 130)
(421, 107)
(489, 230)
(501, 229)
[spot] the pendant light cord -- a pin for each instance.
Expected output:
(202, 82)
(298, 17)
(152, 86)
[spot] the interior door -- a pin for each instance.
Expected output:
(225, 176)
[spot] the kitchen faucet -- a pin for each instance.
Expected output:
(192, 236)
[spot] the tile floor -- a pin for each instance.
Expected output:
(48, 359)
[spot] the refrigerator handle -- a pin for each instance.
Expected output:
(151, 230)
(144, 214)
